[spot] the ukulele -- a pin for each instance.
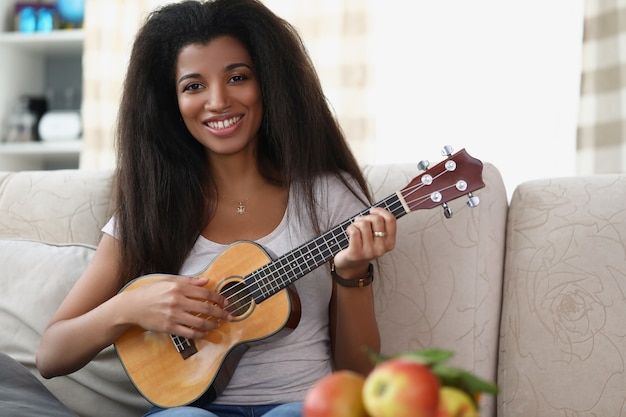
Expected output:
(170, 370)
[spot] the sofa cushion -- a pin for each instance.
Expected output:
(441, 285)
(34, 279)
(64, 206)
(22, 394)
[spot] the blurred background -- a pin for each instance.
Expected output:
(532, 86)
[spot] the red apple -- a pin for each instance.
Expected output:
(336, 395)
(401, 388)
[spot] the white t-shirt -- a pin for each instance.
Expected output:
(282, 369)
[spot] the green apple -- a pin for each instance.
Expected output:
(455, 403)
(401, 388)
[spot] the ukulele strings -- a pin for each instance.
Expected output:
(410, 199)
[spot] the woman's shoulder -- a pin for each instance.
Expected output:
(336, 182)
(338, 195)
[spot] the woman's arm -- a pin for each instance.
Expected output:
(352, 318)
(94, 314)
(355, 330)
(81, 327)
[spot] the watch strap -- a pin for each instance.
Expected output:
(353, 283)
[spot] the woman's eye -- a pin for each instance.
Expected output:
(193, 86)
(236, 78)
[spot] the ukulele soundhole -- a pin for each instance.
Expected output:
(240, 302)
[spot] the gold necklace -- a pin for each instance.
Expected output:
(241, 204)
(241, 208)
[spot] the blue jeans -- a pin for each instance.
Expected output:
(214, 410)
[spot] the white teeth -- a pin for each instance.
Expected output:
(222, 124)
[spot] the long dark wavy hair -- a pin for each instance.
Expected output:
(165, 193)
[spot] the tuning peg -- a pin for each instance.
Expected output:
(423, 165)
(472, 200)
(447, 150)
(447, 211)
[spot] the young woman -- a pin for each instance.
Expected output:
(225, 135)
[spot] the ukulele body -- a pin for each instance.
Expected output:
(168, 377)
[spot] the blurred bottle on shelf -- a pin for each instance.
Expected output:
(22, 123)
(71, 13)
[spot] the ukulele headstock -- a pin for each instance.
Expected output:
(459, 174)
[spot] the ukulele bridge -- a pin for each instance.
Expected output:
(184, 346)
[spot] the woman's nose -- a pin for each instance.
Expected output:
(217, 98)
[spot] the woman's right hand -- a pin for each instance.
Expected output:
(95, 314)
(175, 305)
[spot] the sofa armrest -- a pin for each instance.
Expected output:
(562, 348)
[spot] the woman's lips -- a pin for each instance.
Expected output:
(223, 123)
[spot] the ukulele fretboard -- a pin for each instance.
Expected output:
(277, 275)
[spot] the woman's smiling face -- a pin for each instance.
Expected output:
(219, 96)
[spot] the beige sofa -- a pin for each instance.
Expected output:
(531, 293)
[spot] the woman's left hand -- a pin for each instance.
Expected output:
(371, 236)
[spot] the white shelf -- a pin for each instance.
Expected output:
(69, 41)
(40, 149)
(38, 62)
(34, 64)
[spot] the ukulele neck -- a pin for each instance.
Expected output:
(277, 275)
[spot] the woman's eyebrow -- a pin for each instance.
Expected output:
(237, 65)
(229, 67)
(186, 76)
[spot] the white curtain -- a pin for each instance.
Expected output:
(336, 33)
(602, 116)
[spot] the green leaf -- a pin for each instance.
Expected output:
(463, 380)
(429, 357)
(374, 356)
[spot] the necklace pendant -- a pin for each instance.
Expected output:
(241, 209)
